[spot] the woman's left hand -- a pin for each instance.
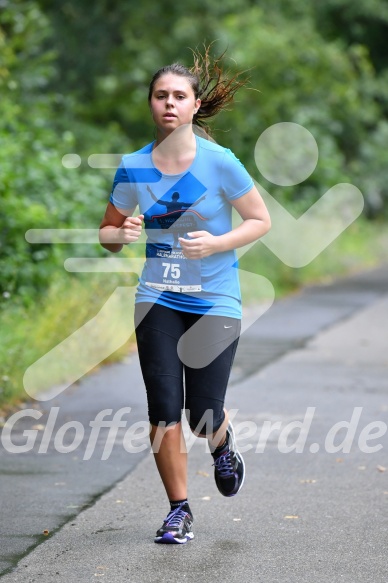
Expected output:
(201, 244)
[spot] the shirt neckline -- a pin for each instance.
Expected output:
(180, 173)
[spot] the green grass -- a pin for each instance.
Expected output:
(362, 245)
(27, 335)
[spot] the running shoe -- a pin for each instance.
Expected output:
(229, 467)
(177, 527)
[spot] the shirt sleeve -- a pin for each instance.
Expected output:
(123, 195)
(235, 179)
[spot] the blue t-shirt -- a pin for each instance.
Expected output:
(175, 204)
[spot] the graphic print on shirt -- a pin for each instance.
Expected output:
(167, 267)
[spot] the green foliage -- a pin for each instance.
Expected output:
(363, 245)
(298, 76)
(29, 332)
(323, 65)
(36, 191)
(364, 22)
(74, 79)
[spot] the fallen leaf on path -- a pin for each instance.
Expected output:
(382, 468)
(202, 473)
(46, 532)
(291, 516)
(339, 460)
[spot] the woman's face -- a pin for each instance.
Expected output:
(173, 102)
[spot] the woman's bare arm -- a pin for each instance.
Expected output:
(119, 227)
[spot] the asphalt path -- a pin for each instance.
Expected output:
(309, 391)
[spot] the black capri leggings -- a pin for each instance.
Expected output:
(191, 373)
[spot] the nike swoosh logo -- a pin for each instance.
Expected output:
(228, 326)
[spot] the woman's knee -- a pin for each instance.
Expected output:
(205, 422)
(165, 400)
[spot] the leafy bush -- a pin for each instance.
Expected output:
(36, 190)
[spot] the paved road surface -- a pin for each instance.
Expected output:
(315, 360)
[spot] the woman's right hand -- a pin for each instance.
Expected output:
(131, 229)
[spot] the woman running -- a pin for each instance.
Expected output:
(188, 303)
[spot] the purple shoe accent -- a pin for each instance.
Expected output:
(169, 539)
(176, 528)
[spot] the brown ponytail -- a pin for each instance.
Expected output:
(217, 88)
(214, 87)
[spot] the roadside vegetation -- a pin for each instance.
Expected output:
(73, 79)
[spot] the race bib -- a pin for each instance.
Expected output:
(167, 269)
